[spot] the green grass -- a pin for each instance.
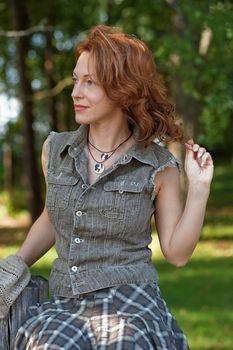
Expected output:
(200, 294)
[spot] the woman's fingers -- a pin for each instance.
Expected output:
(203, 157)
(198, 150)
(201, 152)
(189, 144)
(206, 159)
(196, 147)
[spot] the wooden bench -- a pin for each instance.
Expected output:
(36, 291)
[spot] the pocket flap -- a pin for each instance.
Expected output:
(124, 186)
(62, 178)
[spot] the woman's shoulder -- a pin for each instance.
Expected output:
(161, 152)
(64, 136)
(164, 157)
(58, 140)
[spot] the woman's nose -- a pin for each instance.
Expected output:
(77, 91)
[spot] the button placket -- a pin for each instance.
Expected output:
(84, 187)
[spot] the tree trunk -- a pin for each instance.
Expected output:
(187, 108)
(20, 21)
(7, 165)
(49, 68)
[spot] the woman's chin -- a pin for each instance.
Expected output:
(81, 120)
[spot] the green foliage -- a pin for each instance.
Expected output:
(169, 27)
(173, 31)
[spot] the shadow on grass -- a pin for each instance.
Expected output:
(201, 282)
(222, 187)
(215, 218)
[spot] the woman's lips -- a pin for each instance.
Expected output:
(80, 107)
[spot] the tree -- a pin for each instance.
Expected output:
(191, 42)
(49, 67)
(20, 21)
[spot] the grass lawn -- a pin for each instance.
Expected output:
(200, 295)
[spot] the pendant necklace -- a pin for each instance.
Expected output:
(105, 155)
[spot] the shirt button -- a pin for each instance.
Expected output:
(84, 186)
(79, 213)
(121, 191)
(78, 240)
(74, 268)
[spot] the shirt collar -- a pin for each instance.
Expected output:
(77, 141)
(143, 154)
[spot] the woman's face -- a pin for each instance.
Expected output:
(91, 104)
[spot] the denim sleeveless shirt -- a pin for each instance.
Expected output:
(102, 230)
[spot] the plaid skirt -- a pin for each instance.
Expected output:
(125, 317)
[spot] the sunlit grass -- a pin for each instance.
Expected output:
(200, 294)
(208, 328)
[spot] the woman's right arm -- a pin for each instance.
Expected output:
(41, 236)
(39, 240)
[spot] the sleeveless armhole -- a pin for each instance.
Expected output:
(47, 149)
(170, 162)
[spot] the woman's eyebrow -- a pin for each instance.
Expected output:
(88, 75)
(85, 75)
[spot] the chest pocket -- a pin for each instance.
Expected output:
(60, 185)
(121, 199)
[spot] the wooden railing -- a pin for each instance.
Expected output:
(36, 291)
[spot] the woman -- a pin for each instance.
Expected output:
(104, 182)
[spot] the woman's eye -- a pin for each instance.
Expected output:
(89, 82)
(74, 80)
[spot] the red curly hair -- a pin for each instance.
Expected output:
(126, 70)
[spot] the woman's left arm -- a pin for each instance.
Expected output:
(179, 230)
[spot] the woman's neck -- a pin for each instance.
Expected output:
(109, 135)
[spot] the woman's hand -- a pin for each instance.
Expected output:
(198, 164)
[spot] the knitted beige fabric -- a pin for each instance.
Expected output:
(14, 277)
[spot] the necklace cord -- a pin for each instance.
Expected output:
(88, 140)
(99, 167)
(101, 161)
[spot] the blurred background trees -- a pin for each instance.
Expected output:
(192, 43)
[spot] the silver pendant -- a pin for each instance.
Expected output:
(99, 168)
(104, 156)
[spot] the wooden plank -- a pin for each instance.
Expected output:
(4, 342)
(36, 291)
